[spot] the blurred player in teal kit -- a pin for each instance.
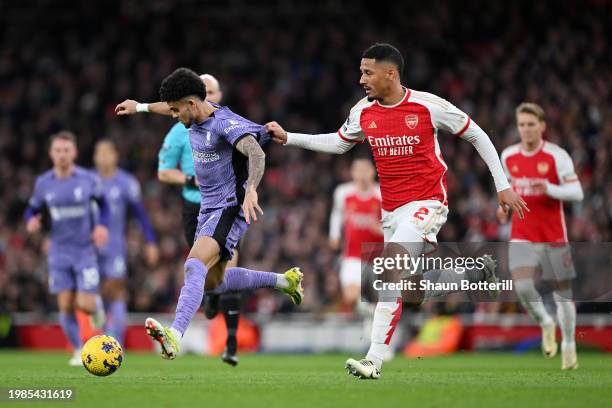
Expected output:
(122, 191)
(176, 167)
(66, 192)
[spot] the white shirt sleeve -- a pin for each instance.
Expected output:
(569, 188)
(336, 143)
(504, 157)
(350, 130)
(571, 191)
(565, 167)
(325, 142)
(479, 139)
(444, 115)
(336, 219)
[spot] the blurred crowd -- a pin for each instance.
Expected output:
(67, 66)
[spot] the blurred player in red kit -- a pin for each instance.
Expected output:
(543, 174)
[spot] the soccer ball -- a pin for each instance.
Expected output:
(102, 355)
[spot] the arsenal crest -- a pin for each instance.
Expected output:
(411, 121)
(543, 168)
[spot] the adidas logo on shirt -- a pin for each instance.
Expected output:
(372, 125)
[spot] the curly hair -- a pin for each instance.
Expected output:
(181, 83)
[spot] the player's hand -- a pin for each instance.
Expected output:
(151, 254)
(279, 135)
(502, 215)
(509, 200)
(127, 107)
(34, 224)
(250, 205)
(100, 236)
(334, 244)
(539, 187)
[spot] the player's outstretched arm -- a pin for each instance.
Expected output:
(571, 191)
(257, 163)
(32, 216)
(507, 197)
(326, 142)
(176, 176)
(130, 107)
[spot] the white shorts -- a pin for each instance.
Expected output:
(416, 223)
(554, 261)
(350, 272)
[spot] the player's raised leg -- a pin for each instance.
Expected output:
(203, 255)
(200, 277)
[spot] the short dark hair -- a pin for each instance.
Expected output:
(63, 135)
(181, 83)
(385, 52)
(108, 141)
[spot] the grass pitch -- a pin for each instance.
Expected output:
(314, 381)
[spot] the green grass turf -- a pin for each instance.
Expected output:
(464, 380)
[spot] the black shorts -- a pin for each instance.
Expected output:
(190, 222)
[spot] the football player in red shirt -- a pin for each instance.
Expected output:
(355, 220)
(401, 125)
(543, 174)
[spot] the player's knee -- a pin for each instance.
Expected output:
(351, 294)
(66, 308)
(86, 303)
(416, 296)
(66, 302)
(114, 289)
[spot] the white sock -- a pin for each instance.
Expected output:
(366, 310)
(566, 315)
(177, 334)
(386, 317)
(532, 301)
(281, 281)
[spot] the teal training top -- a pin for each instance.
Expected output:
(175, 153)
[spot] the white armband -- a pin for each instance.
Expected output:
(142, 107)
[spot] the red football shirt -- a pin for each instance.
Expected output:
(404, 142)
(359, 213)
(545, 222)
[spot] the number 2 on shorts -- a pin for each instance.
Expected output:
(421, 212)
